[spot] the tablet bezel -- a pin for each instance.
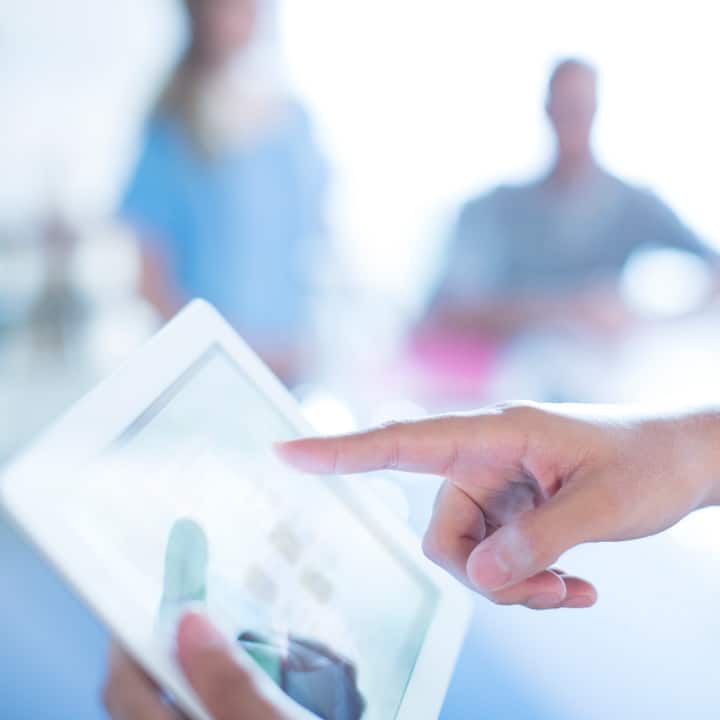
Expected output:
(102, 416)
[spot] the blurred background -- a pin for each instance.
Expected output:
(403, 207)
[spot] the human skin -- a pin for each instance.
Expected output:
(219, 29)
(523, 484)
(228, 689)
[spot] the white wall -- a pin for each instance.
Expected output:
(423, 103)
(74, 78)
(418, 103)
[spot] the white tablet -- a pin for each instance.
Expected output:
(160, 491)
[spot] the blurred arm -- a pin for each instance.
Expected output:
(669, 230)
(156, 284)
(475, 297)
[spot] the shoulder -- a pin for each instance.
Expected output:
(155, 167)
(495, 200)
(478, 213)
(651, 217)
(636, 196)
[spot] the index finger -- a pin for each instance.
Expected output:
(436, 446)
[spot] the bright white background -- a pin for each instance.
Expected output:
(422, 103)
(418, 104)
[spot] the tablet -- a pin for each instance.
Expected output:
(159, 491)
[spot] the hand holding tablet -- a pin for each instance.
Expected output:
(160, 493)
(225, 687)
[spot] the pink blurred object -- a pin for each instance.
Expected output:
(450, 368)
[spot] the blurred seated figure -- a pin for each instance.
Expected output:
(227, 195)
(546, 256)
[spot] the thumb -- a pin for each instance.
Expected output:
(227, 689)
(535, 539)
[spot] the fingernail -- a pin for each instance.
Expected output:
(543, 601)
(580, 601)
(487, 570)
(197, 633)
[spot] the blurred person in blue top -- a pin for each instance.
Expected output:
(228, 192)
(548, 254)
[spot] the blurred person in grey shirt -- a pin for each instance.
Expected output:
(547, 254)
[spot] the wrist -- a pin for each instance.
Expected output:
(702, 431)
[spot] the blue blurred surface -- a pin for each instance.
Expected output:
(486, 688)
(52, 651)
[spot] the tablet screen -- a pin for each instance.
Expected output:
(191, 504)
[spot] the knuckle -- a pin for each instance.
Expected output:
(436, 546)
(506, 406)
(391, 425)
(518, 411)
